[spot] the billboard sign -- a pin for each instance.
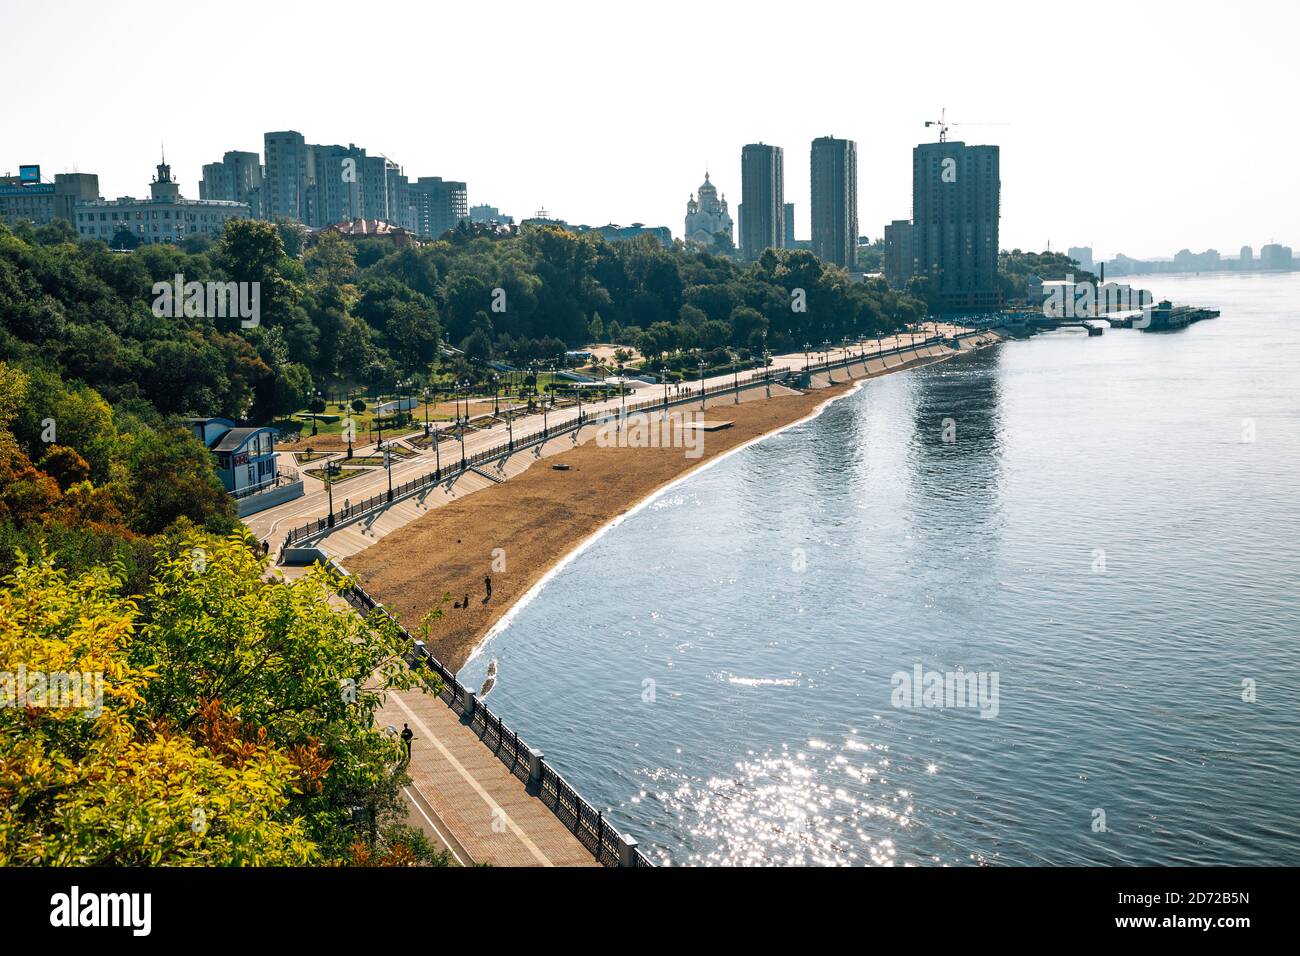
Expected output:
(29, 174)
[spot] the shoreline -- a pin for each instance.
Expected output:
(541, 520)
(508, 615)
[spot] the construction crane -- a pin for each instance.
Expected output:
(943, 124)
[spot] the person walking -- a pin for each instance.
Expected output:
(407, 737)
(487, 586)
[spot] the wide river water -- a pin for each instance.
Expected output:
(1108, 527)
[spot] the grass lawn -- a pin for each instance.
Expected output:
(343, 474)
(306, 458)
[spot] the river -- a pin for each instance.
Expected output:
(1103, 534)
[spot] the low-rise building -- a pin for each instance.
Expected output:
(164, 217)
(370, 229)
(24, 198)
(247, 463)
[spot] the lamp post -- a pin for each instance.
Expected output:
(403, 387)
(622, 396)
(463, 426)
(805, 356)
(701, 384)
(349, 424)
(329, 490)
(426, 411)
(496, 394)
(388, 467)
(767, 371)
(735, 379)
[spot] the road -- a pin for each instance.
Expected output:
(274, 523)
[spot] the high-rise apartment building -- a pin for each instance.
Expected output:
(398, 196)
(333, 185)
(290, 167)
(1275, 256)
(956, 193)
(237, 178)
(762, 189)
(834, 175)
(898, 253)
(437, 205)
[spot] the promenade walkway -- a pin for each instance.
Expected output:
(467, 800)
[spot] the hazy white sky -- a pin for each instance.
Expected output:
(1140, 127)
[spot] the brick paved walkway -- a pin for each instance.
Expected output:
(467, 799)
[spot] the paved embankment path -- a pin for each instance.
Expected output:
(468, 800)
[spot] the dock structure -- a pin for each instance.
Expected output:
(1167, 317)
(1163, 317)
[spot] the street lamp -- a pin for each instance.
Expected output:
(329, 490)
(437, 454)
(426, 411)
(701, 384)
(463, 426)
(735, 379)
(622, 393)
(388, 467)
(401, 386)
(805, 356)
(767, 371)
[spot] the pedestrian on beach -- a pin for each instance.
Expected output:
(407, 737)
(487, 586)
(466, 604)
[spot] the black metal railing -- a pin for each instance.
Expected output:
(690, 393)
(585, 822)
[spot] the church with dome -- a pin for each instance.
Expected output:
(707, 216)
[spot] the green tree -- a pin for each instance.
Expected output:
(103, 783)
(170, 475)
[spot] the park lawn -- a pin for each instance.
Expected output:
(343, 474)
(307, 457)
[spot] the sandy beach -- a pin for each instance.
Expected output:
(517, 531)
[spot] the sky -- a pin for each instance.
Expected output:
(1140, 127)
